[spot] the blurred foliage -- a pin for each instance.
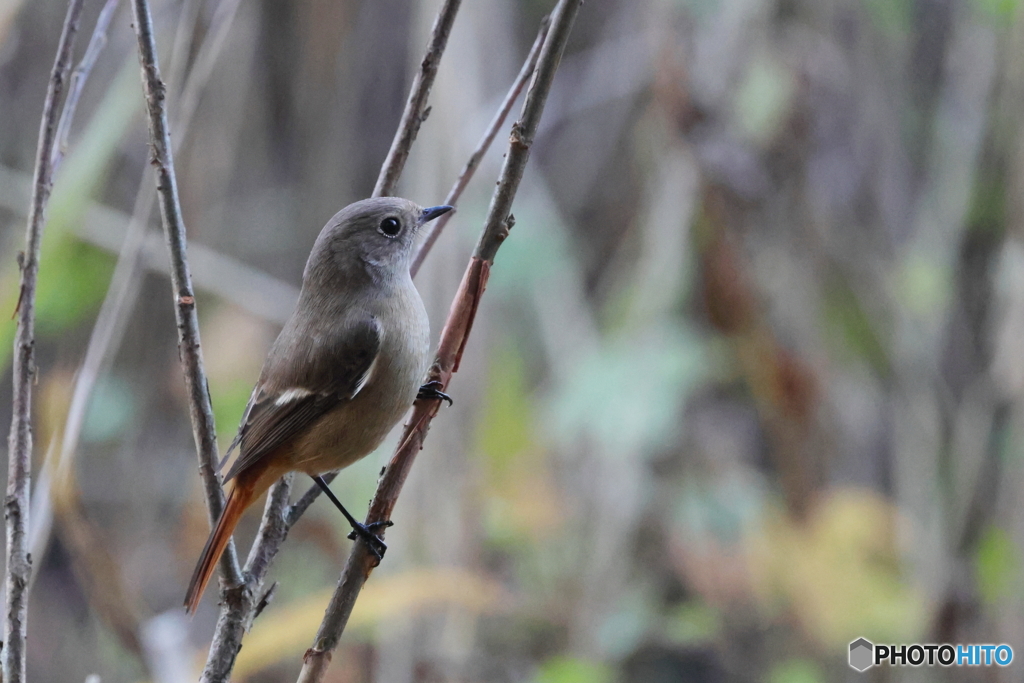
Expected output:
(796, 671)
(568, 670)
(73, 276)
(282, 633)
(998, 563)
(840, 572)
(747, 383)
(629, 394)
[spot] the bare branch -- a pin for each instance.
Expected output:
(189, 349)
(453, 339)
(42, 512)
(434, 231)
(416, 107)
(78, 78)
(16, 505)
(299, 507)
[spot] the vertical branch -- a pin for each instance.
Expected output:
(453, 339)
(16, 505)
(189, 349)
(416, 110)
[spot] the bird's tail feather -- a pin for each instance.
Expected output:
(238, 500)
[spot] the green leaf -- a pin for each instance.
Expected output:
(796, 671)
(997, 10)
(229, 399)
(505, 429)
(112, 408)
(764, 99)
(692, 623)
(892, 17)
(850, 328)
(630, 393)
(997, 565)
(570, 670)
(73, 276)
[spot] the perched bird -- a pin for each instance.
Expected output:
(344, 369)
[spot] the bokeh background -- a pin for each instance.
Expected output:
(746, 385)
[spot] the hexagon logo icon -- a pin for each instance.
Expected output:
(862, 654)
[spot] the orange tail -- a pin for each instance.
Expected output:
(241, 496)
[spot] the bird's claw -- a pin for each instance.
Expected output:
(432, 390)
(368, 532)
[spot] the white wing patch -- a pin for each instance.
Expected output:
(366, 377)
(290, 395)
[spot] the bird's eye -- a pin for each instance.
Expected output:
(390, 227)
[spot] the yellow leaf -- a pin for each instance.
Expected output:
(286, 632)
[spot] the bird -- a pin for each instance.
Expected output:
(346, 366)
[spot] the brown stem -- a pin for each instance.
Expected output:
(16, 505)
(189, 349)
(453, 340)
(416, 106)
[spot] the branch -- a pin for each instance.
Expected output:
(453, 339)
(19, 562)
(416, 110)
(79, 76)
(42, 513)
(189, 350)
(434, 231)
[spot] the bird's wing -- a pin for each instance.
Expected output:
(331, 374)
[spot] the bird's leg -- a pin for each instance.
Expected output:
(367, 532)
(432, 390)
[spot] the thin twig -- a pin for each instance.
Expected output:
(78, 78)
(416, 110)
(16, 506)
(189, 349)
(299, 507)
(435, 227)
(453, 339)
(42, 512)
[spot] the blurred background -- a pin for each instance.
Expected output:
(747, 384)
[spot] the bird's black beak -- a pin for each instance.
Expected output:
(433, 212)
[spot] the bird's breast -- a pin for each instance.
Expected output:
(357, 426)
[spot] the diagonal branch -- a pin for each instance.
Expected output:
(16, 505)
(453, 340)
(416, 109)
(434, 231)
(79, 76)
(189, 349)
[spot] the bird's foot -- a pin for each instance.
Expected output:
(432, 390)
(368, 532)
